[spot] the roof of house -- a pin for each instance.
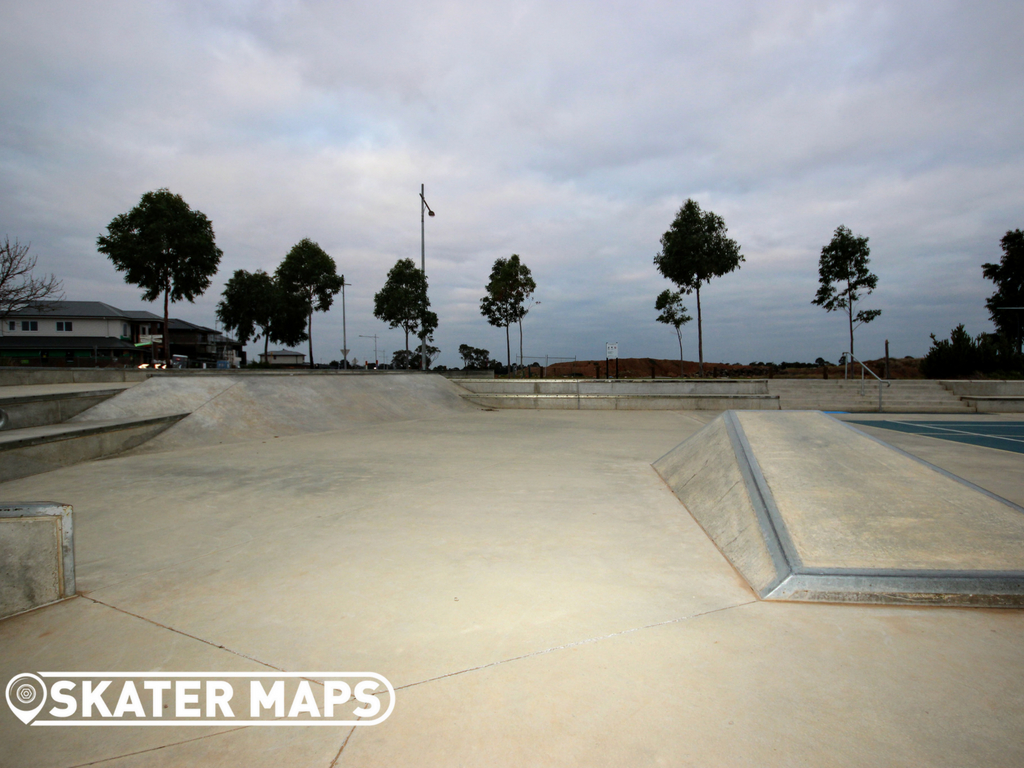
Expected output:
(142, 314)
(71, 309)
(284, 352)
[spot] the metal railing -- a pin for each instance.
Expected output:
(846, 358)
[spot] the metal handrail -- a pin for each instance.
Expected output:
(850, 356)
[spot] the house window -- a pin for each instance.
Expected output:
(124, 329)
(63, 325)
(29, 325)
(11, 325)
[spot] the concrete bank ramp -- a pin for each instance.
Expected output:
(235, 408)
(808, 508)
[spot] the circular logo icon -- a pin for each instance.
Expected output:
(26, 695)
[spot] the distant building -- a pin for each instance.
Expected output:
(282, 357)
(94, 333)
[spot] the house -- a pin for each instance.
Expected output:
(283, 357)
(97, 334)
(69, 333)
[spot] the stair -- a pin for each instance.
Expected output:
(36, 436)
(902, 396)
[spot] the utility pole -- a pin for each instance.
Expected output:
(344, 327)
(424, 208)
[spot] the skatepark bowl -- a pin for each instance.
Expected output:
(615, 577)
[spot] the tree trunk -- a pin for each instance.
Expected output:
(167, 330)
(310, 331)
(679, 333)
(700, 336)
(849, 312)
(521, 361)
(508, 349)
(266, 342)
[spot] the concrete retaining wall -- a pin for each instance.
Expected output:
(12, 376)
(985, 388)
(37, 555)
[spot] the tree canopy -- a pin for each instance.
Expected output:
(508, 288)
(1008, 275)
(694, 250)
(309, 279)
(18, 288)
(844, 278)
(403, 302)
(670, 304)
(254, 306)
(164, 247)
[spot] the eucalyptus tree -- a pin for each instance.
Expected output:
(309, 280)
(844, 278)
(694, 250)
(670, 304)
(403, 302)
(165, 248)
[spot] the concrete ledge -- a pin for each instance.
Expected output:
(33, 450)
(995, 403)
(36, 410)
(710, 402)
(608, 387)
(16, 375)
(37, 555)
(985, 388)
(808, 508)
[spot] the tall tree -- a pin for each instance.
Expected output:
(1008, 275)
(844, 278)
(694, 250)
(403, 302)
(509, 286)
(670, 304)
(254, 306)
(309, 279)
(164, 247)
(18, 289)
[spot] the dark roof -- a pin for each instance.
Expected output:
(185, 325)
(141, 314)
(71, 309)
(284, 352)
(27, 342)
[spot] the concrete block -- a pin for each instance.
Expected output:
(806, 507)
(37, 555)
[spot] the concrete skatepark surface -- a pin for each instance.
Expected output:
(526, 580)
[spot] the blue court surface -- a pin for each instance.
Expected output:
(1004, 435)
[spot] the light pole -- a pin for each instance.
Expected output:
(344, 327)
(424, 208)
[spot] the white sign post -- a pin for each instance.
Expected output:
(611, 350)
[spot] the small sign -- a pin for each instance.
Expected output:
(611, 350)
(344, 353)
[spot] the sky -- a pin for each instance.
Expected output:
(569, 133)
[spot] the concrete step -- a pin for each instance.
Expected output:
(627, 402)
(32, 406)
(32, 450)
(608, 387)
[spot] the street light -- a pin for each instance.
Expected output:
(424, 208)
(344, 327)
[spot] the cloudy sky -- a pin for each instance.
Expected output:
(567, 132)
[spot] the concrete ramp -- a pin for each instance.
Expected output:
(806, 507)
(239, 407)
